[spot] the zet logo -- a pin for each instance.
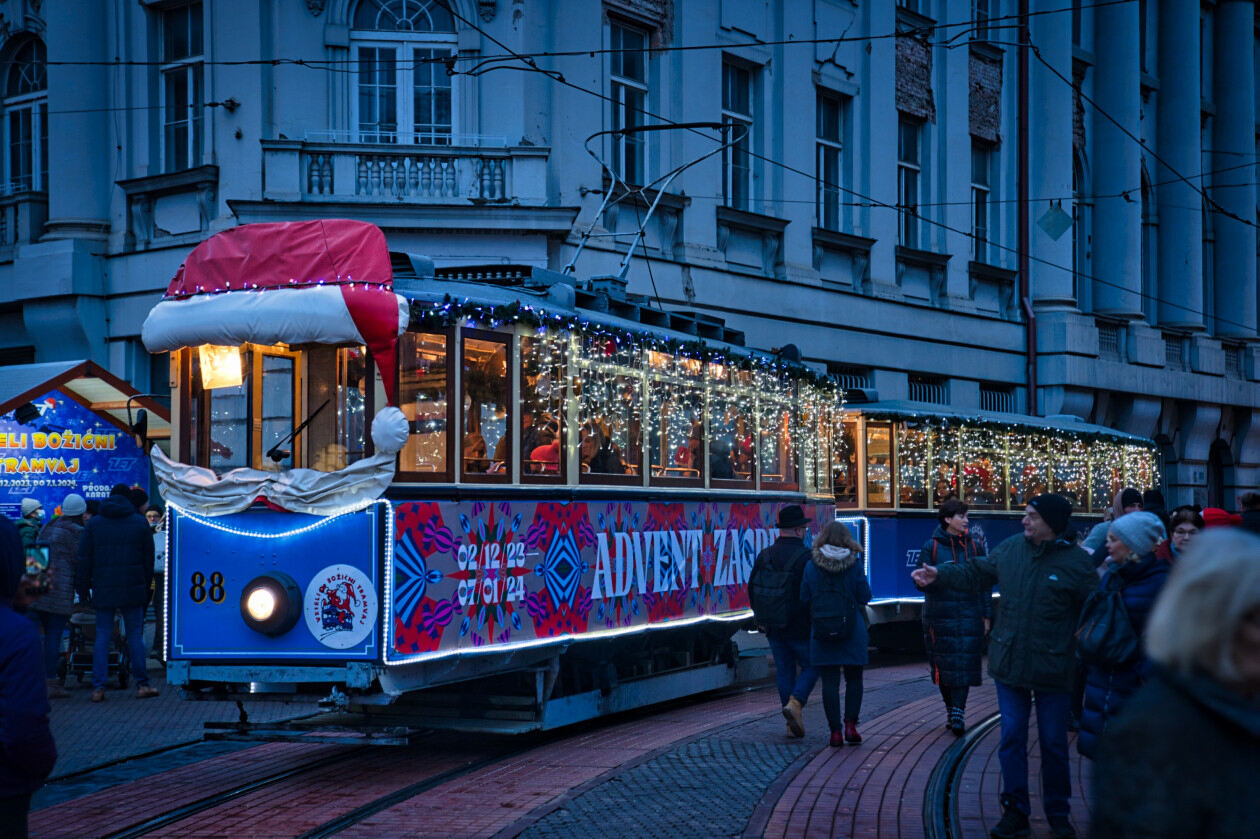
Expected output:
(340, 606)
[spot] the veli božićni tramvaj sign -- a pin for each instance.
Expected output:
(69, 448)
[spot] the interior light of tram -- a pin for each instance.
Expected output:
(220, 366)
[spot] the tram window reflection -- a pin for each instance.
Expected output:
(983, 468)
(542, 371)
(879, 478)
(485, 403)
(844, 465)
(913, 464)
(422, 394)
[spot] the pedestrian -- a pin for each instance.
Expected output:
(834, 586)
(52, 610)
(29, 524)
(1153, 502)
(27, 751)
(139, 499)
(774, 592)
(1216, 517)
(1044, 579)
(1250, 502)
(156, 517)
(1133, 569)
(1186, 524)
(954, 620)
(1182, 758)
(1127, 500)
(116, 572)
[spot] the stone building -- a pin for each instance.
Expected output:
(865, 210)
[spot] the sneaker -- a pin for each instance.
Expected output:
(957, 721)
(851, 733)
(145, 691)
(792, 713)
(1013, 824)
(837, 738)
(98, 695)
(1061, 827)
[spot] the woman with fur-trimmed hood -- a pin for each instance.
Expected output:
(835, 587)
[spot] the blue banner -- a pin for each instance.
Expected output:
(69, 448)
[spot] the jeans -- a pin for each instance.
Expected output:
(831, 693)
(53, 626)
(788, 655)
(955, 697)
(133, 624)
(1015, 705)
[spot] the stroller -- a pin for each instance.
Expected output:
(77, 660)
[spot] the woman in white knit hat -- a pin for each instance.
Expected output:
(52, 611)
(1133, 569)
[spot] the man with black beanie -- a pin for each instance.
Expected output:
(1044, 580)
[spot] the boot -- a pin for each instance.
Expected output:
(1061, 827)
(1014, 822)
(792, 713)
(56, 690)
(957, 721)
(851, 733)
(837, 738)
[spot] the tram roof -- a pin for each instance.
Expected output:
(906, 410)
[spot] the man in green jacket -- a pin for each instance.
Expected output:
(1044, 580)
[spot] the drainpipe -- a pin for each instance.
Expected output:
(1025, 284)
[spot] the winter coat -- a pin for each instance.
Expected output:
(1251, 521)
(1043, 587)
(1179, 762)
(27, 751)
(62, 537)
(1108, 688)
(28, 529)
(116, 557)
(852, 650)
(787, 550)
(953, 619)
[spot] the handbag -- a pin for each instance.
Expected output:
(1105, 636)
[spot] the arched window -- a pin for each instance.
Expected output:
(404, 92)
(26, 118)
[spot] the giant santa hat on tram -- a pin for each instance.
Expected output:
(322, 282)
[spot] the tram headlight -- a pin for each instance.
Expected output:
(271, 603)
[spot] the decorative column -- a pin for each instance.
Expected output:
(1117, 163)
(1233, 184)
(1178, 144)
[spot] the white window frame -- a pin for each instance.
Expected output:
(627, 148)
(738, 120)
(192, 69)
(830, 150)
(908, 171)
(405, 66)
(35, 105)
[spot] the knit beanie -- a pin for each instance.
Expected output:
(1055, 509)
(1126, 497)
(73, 505)
(1140, 531)
(30, 505)
(1212, 517)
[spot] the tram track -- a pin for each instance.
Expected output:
(940, 798)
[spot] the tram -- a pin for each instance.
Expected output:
(485, 498)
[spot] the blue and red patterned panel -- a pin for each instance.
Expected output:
(479, 576)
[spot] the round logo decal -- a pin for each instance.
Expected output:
(340, 606)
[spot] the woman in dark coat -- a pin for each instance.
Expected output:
(1181, 760)
(836, 576)
(953, 619)
(1138, 574)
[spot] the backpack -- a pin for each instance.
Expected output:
(1105, 636)
(775, 593)
(833, 610)
(606, 461)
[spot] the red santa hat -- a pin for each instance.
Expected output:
(326, 282)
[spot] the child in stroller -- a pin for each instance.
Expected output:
(77, 661)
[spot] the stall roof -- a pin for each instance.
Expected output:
(89, 384)
(900, 409)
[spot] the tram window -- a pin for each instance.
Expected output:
(879, 478)
(913, 465)
(814, 445)
(226, 413)
(610, 422)
(423, 379)
(1139, 467)
(676, 437)
(354, 389)
(945, 456)
(780, 442)
(983, 468)
(1108, 475)
(542, 409)
(731, 422)
(1027, 468)
(1070, 471)
(277, 408)
(486, 414)
(844, 465)
(337, 389)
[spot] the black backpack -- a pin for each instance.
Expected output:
(1105, 636)
(775, 593)
(833, 609)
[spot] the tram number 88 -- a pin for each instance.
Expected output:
(201, 589)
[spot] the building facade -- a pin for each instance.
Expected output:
(860, 199)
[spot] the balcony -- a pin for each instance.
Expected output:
(475, 172)
(23, 213)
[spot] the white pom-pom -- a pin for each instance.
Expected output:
(389, 430)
